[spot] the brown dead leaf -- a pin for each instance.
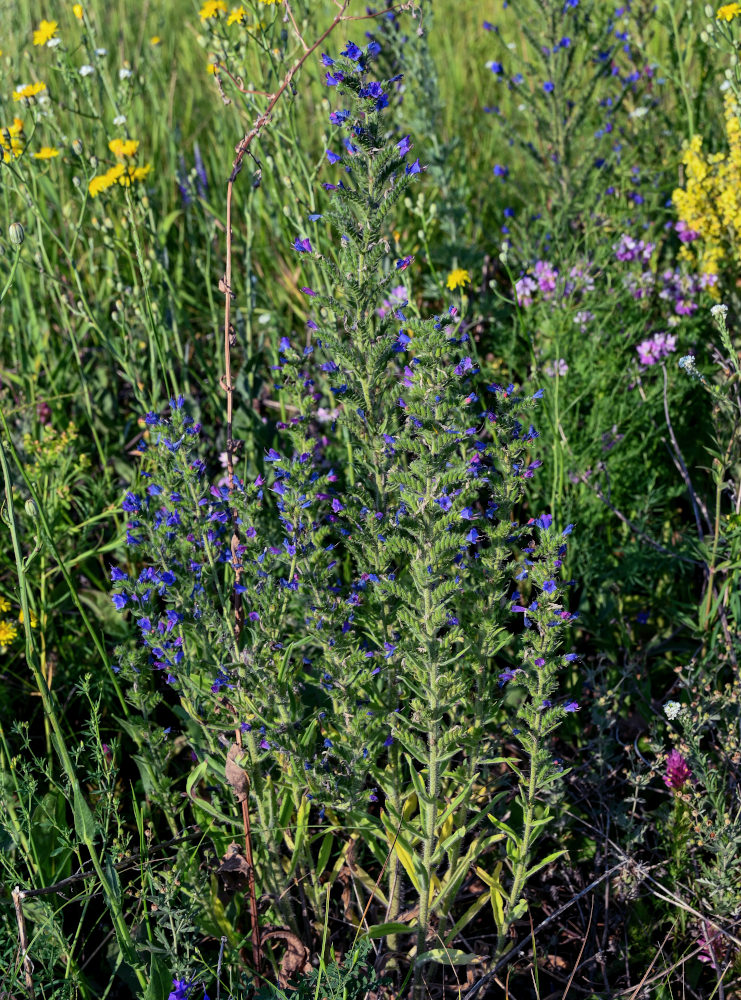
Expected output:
(236, 775)
(295, 958)
(234, 870)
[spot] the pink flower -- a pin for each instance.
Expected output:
(677, 771)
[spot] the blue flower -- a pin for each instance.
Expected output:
(549, 586)
(303, 246)
(404, 145)
(333, 158)
(352, 51)
(548, 87)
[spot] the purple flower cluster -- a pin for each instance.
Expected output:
(656, 348)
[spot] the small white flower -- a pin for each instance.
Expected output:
(119, 120)
(719, 312)
(124, 73)
(638, 112)
(672, 709)
(53, 42)
(86, 70)
(101, 52)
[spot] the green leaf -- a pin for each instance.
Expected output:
(160, 981)
(543, 863)
(383, 930)
(449, 956)
(85, 825)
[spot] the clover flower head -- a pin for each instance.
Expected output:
(677, 771)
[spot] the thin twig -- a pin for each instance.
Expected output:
(519, 948)
(637, 531)
(119, 866)
(695, 500)
(23, 943)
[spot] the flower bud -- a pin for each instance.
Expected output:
(16, 233)
(31, 509)
(77, 147)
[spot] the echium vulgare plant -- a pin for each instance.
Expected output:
(375, 565)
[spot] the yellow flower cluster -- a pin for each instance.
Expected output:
(11, 140)
(122, 173)
(8, 632)
(45, 31)
(30, 90)
(709, 204)
(9, 629)
(212, 9)
(728, 11)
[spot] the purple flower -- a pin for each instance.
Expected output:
(571, 706)
(119, 601)
(333, 79)
(303, 246)
(655, 348)
(180, 989)
(402, 265)
(677, 771)
(404, 145)
(352, 51)
(332, 157)
(549, 586)
(414, 168)
(548, 87)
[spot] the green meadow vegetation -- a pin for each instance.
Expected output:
(370, 444)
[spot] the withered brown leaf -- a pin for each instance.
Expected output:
(236, 775)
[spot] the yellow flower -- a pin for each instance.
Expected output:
(237, 14)
(11, 140)
(77, 11)
(211, 8)
(728, 11)
(270, 1)
(123, 147)
(211, 68)
(46, 153)
(103, 181)
(134, 174)
(458, 279)
(155, 40)
(34, 620)
(4, 605)
(45, 31)
(8, 632)
(30, 90)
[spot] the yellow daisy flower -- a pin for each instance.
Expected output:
(728, 11)
(236, 15)
(8, 632)
(45, 31)
(4, 605)
(155, 40)
(77, 11)
(30, 90)
(211, 8)
(123, 147)
(46, 153)
(458, 278)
